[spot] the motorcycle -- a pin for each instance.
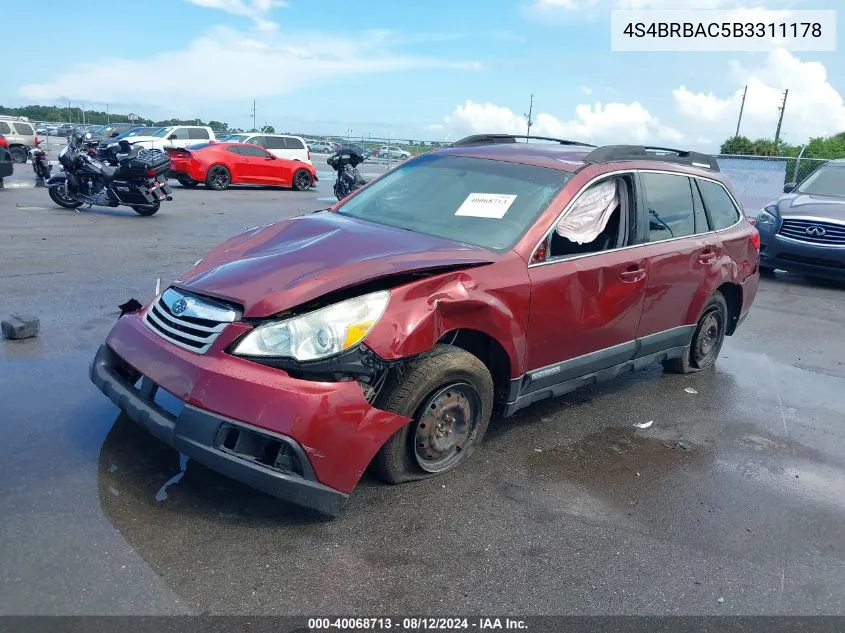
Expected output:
(138, 181)
(345, 163)
(40, 165)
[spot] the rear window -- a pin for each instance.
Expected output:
(198, 133)
(24, 129)
(197, 146)
(4, 128)
(723, 212)
(274, 142)
(670, 207)
(293, 143)
(476, 201)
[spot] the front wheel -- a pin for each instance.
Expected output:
(147, 209)
(19, 155)
(57, 195)
(448, 394)
(302, 180)
(706, 341)
(218, 178)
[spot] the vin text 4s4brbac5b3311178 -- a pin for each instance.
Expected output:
(470, 281)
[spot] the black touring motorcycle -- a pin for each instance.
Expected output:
(138, 181)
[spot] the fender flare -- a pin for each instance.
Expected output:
(56, 181)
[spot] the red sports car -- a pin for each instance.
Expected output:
(219, 165)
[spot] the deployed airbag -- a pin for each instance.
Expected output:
(590, 214)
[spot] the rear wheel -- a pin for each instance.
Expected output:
(706, 342)
(448, 394)
(302, 180)
(186, 181)
(147, 209)
(57, 195)
(218, 178)
(767, 271)
(19, 154)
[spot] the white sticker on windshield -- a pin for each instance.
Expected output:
(486, 205)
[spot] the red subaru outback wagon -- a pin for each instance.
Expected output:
(384, 332)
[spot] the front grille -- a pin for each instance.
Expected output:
(833, 234)
(188, 321)
(811, 261)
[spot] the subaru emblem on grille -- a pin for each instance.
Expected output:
(179, 306)
(815, 230)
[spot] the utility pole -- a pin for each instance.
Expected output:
(69, 119)
(741, 108)
(530, 114)
(108, 118)
(254, 129)
(782, 109)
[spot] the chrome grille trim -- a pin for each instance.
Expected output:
(196, 327)
(796, 229)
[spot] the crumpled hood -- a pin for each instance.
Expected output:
(799, 205)
(275, 267)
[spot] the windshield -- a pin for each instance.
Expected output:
(161, 132)
(235, 138)
(134, 132)
(472, 200)
(825, 181)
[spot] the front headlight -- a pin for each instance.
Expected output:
(764, 217)
(319, 334)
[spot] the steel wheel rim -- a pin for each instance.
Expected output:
(446, 427)
(219, 177)
(303, 180)
(708, 337)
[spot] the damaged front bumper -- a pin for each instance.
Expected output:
(303, 441)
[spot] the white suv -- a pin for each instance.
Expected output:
(386, 151)
(20, 135)
(281, 145)
(175, 136)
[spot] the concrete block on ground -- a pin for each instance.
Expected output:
(20, 326)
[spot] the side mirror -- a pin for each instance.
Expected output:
(172, 137)
(115, 134)
(790, 187)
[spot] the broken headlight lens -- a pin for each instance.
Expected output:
(318, 334)
(764, 217)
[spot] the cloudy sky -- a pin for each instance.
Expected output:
(435, 70)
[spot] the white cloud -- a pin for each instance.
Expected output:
(586, 90)
(268, 64)
(616, 122)
(255, 10)
(813, 107)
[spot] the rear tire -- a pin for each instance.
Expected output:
(218, 178)
(766, 271)
(187, 182)
(302, 180)
(147, 209)
(19, 155)
(706, 342)
(448, 394)
(57, 196)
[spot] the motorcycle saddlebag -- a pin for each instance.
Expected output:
(148, 163)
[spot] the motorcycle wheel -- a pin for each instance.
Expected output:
(302, 180)
(147, 209)
(57, 195)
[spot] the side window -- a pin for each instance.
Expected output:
(258, 140)
(4, 128)
(246, 150)
(274, 142)
(198, 133)
(599, 220)
(24, 129)
(668, 202)
(293, 143)
(701, 224)
(235, 150)
(723, 212)
(181, 134)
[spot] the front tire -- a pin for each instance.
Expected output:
(302, 180)
(448, 394)
(707, 341)
(147, 209)
(218, 178)
(19, 155)
(57, 196)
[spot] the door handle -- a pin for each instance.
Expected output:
(632, 275)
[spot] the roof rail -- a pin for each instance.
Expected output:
(614, 153)
(502, 139)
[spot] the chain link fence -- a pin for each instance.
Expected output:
(759, 180)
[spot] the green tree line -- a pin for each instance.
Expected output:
(829, 148)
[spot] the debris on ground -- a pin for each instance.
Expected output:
(133, 305)
(20, 326)
(690, 390)
(720, 600)
(538, 450)
(677, 444)
(643, 425)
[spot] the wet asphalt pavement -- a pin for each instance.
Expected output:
(736, 491)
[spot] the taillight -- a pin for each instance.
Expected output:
(755, 238)
(36, 139)
(151, 172)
